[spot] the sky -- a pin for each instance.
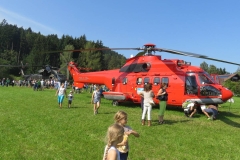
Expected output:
(206, 27)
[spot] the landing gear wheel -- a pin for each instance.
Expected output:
(115, 103)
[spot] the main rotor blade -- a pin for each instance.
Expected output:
(195, 55)
(180, 52)
(93, 49)
(218, 60)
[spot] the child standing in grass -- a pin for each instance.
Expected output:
(70, 98)
(96, 99)
(121, 119)
(114, 136)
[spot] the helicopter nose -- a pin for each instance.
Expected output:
(226, 94)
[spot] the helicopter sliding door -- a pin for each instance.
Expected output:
(191, 87)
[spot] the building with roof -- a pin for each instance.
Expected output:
(222, 78)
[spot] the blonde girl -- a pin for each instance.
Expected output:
(114, 136)
(121, 119)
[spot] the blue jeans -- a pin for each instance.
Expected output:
(211, 110)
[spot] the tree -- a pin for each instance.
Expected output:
(212, 69)
(4, 22)
(238, 70)
(204, 66)
(233, 86)
(65, 58)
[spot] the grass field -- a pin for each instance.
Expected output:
(33, 127)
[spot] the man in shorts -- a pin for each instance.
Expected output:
(210, 109)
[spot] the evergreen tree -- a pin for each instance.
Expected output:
(204, 66)
(66, 57)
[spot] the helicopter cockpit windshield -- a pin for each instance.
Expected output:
(205, 78)
(203, 85)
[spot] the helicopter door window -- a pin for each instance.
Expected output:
(113, 81)
(124, 80)
(191, 86)
(146, 80)
(165, 80)
(139, 80)
(156, 81)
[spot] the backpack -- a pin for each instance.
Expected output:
(186, 103)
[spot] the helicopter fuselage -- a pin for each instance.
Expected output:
(185, 82)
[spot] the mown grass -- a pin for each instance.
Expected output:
(33, 127)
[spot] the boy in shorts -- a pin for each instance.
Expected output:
(70, 98)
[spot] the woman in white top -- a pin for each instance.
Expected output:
(61, 92)
(114, 136)
(147, 102)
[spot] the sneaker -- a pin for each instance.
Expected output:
(161, 122)
(210, 118)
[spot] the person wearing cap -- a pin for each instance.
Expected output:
(191, 109)
(70, 98)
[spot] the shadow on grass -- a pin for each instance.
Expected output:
(225, 117)
(75, 107)
(169, 122)
(106, 112)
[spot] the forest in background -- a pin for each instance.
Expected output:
(23, 45)
(34, 49)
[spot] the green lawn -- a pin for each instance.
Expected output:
(33, 127)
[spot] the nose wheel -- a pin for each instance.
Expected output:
(115, 103)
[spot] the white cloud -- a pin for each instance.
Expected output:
(21, 21)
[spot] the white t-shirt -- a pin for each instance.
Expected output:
(190, 105)
(111, 148)
(203, 107)
(147, 97)
(61, 91)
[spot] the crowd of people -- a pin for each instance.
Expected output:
(36, 84)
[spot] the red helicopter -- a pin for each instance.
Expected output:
(185, 82)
